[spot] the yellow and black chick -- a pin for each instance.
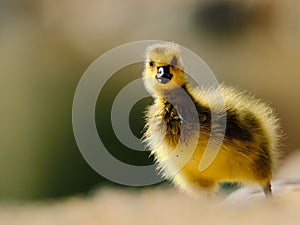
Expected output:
(249, 151)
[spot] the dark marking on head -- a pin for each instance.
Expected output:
(174, 61)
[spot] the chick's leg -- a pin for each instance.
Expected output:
(267, 189)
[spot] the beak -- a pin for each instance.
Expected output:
(163, 74)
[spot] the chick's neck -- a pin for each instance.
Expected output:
(178, 96)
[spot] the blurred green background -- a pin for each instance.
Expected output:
(46, 45)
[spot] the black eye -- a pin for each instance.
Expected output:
(151, 63)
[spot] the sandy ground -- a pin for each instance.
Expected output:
(167, 206)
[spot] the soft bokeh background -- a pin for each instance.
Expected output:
(46, 45)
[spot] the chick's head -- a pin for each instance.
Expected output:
(163, 70)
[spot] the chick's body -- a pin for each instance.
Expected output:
(180, 121)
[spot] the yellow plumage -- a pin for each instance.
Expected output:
(249, 152)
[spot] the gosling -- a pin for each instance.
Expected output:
(248, 153)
